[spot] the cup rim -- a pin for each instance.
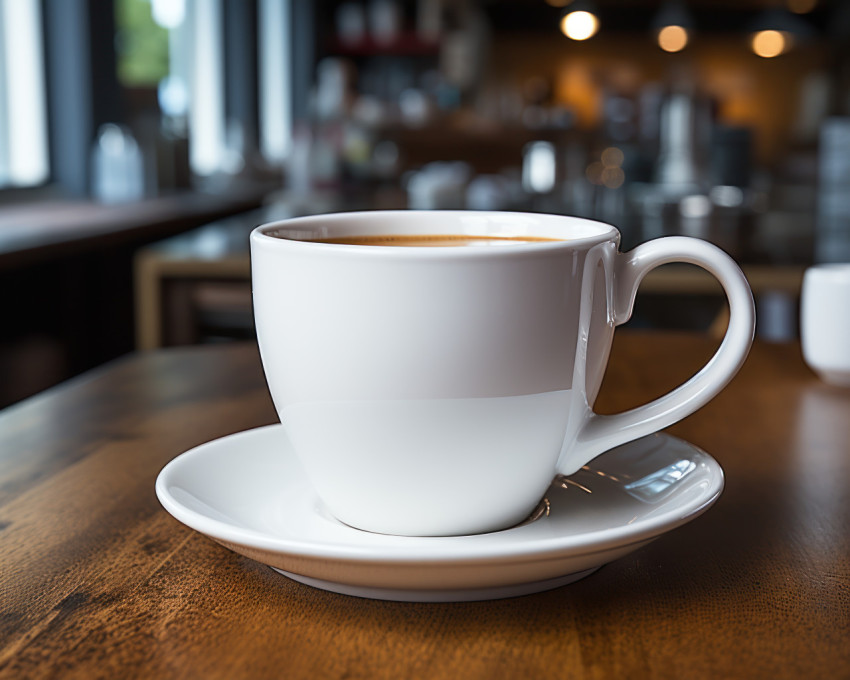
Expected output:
(479, 223)
(826, 266)
(835, 271)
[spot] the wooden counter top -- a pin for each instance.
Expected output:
(36, 231)
(97, 580)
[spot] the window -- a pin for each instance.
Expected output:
(275, 79)
(24, 160)
(177, 46)
(206, 110)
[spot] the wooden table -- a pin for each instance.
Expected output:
(173, 275)
(96, 580)
(175, 279)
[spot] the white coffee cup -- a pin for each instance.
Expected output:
(825, 322)
(438, 390)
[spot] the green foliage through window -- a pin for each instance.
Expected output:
(141, 44)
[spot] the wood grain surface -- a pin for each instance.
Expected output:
(97, 580)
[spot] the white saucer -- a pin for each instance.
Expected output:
(248, 492)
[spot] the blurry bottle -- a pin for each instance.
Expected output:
(318, 159)
(439, 186)
(415, 107)
(486, 192)
(299, 176)
(620, 118)
(678, 167)
(731, 156)
(578, 194)
(464, 45)
(832, 240)
(539, 168)
(650, 104)
(350, 23)
(384, 21)
(429, 20)
(172, 167)
(334, 84)
(171, 170)
(117, 166)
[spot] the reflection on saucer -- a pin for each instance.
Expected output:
(654, 487)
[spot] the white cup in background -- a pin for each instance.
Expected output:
(825, 322)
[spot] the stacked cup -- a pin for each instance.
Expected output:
(825, 322)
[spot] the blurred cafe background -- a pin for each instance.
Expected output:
(141, 140)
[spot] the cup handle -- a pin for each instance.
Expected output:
(599, 433)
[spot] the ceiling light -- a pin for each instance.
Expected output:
(770, 43)
(672, 38)
(673, 25)
(776, 31)
(579, 25)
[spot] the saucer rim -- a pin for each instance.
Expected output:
(433, 549)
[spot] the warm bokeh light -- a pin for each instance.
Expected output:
(579, 25)
(594, 171)
(576, 87)
(612, 157)
(672, 38)
(607, 172)
(801, 6)
(613, 178)
(769, 44)
(558, 3)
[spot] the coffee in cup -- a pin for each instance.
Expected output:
(429, 240)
